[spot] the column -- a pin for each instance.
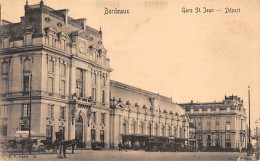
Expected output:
(107, 90)
(88, 143)
(89, 83)
(116, 130)
(71, 124)
(107, 115)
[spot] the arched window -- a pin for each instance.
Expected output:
(156, 130)
(141, 128)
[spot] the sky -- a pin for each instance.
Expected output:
(186, 56)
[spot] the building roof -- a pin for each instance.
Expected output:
(135, 95)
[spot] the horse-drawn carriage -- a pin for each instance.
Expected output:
(37, 143)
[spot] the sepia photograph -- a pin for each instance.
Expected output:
(129, 80)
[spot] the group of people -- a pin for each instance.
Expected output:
(122, 146)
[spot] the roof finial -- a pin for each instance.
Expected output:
(26, 2)
(41, 3)
(100, 32)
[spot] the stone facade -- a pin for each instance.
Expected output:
(219, 123)
(136, 113)
(70, 76)
(66, 65)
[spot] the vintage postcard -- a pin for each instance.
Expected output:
(129, 80)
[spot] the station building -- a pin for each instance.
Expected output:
(63, 63)
(219, 123)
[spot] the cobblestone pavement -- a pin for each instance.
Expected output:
(113, 155)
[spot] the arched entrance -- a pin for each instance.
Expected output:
(79, 131)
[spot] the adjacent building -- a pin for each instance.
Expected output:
(56, 68)
(137, 114)
(219, 123)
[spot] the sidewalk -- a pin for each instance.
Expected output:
(246, 157)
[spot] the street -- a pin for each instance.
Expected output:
(113, 155)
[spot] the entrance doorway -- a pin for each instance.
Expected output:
(79, 132)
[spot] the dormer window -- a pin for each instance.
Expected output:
(50, 31)
(62, 38)
(5, 42)
(28, 39)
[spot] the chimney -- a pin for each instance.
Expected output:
(82, 22)
(65, 13)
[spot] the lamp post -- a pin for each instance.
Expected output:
(30, 112)
(257, 148)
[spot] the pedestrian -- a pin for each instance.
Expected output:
(73, 145)
(120, 146)
(125, 147)
(64, 150)
(59, 137)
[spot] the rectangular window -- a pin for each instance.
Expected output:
(50, 85)
(3, 130)
(94, 117)
(50, 111)
(4, 68)
(51, 66)
(104, 80)
(26, 66)
(4, 88)
(62, 112)
(94, 78)
(25, 110)
(200, 137)
(94, 94)
(63, 70)
(62, 87)
(79, 82)
(49, 130)
(5, 42)
(3, 113)
(28, 39)
(103, 98)
(26, 83)
(103, 118)
(93, 135)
